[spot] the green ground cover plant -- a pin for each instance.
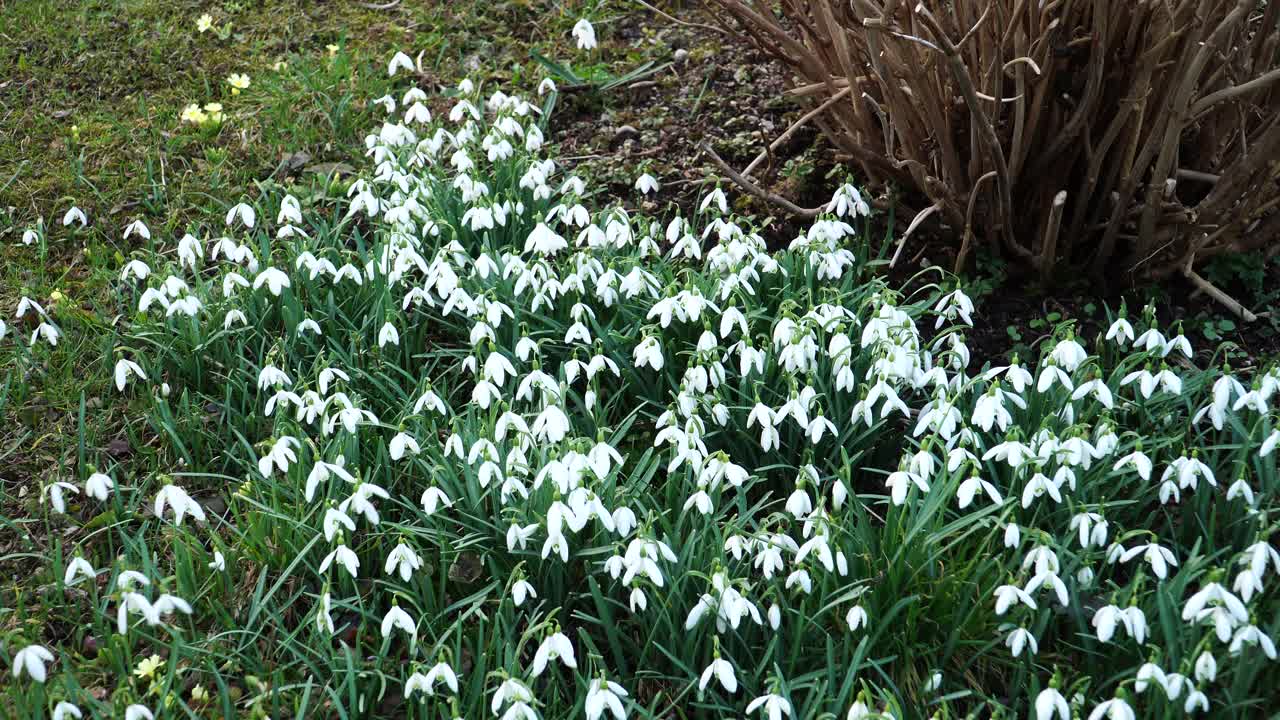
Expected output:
(494, 444)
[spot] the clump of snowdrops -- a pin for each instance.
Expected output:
(497, 446)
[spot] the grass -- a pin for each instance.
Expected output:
(93, 93)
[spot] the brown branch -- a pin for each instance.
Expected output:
(804, 119)
(1207, 102)
(754, 189)
(1212, 291)
(678, 21)
(915, 222)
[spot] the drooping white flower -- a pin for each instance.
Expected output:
(584, 34)
(399, 61)
(555, 647)
(32, 660)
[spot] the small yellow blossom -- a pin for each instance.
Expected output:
(280, 66)
(238, 82)
(57, 296)
(333, 49)
(204, 22)
(199, 694)
(194, 115)
(147, 668)
(214, 111)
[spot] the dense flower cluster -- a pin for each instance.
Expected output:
(666, 466)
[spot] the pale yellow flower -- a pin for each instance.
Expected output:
(280, 66)
(204, 22)
(147, 667)
(194, 115)
(238, 82)
(333, 49)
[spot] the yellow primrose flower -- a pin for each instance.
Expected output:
(57, 296)
(194, 115)
(147, 668)
(215, 113)
(199, 694)
(280, 66)
(204, 22)
(238, 82)
(333, 49)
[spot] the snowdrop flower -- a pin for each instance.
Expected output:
(135, 268)
(345, 557)
(47, 332)
(398, 62)
(774, 706)
(388, 334)
(1179, 343)
(1217, 604)
(521, 590)
(646, 184)
(604, 695)
(1120, 331)
(900, 482)
(648, 352)
(970, 487)
(403, 558)
(1157, 557)
(584, 34)
(1196, 700)
(125, 368)
(441, 672)
(75, 215)
(717, 197)
(1050, 703)
(32, 660)
(1021, 639)
(138, 712)
(1068, 354)
(1008, 595)
(219, 562)
(1252, 635)
(952, 305)
(403, 444)
(555, 647)
(324, 617)
(722, 671)
(1206, 667)
(179, 502)
(1137, 460)
(54, 491)
(274, 279)
(856, 617)
(1037, 486)
(64, 710)
(1012, 536)
(244, 212)
(1098, 389)
(76, 569)
(397, 618)
(433, 498)
(139, 228)
(98, 486)
(1114, 709)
